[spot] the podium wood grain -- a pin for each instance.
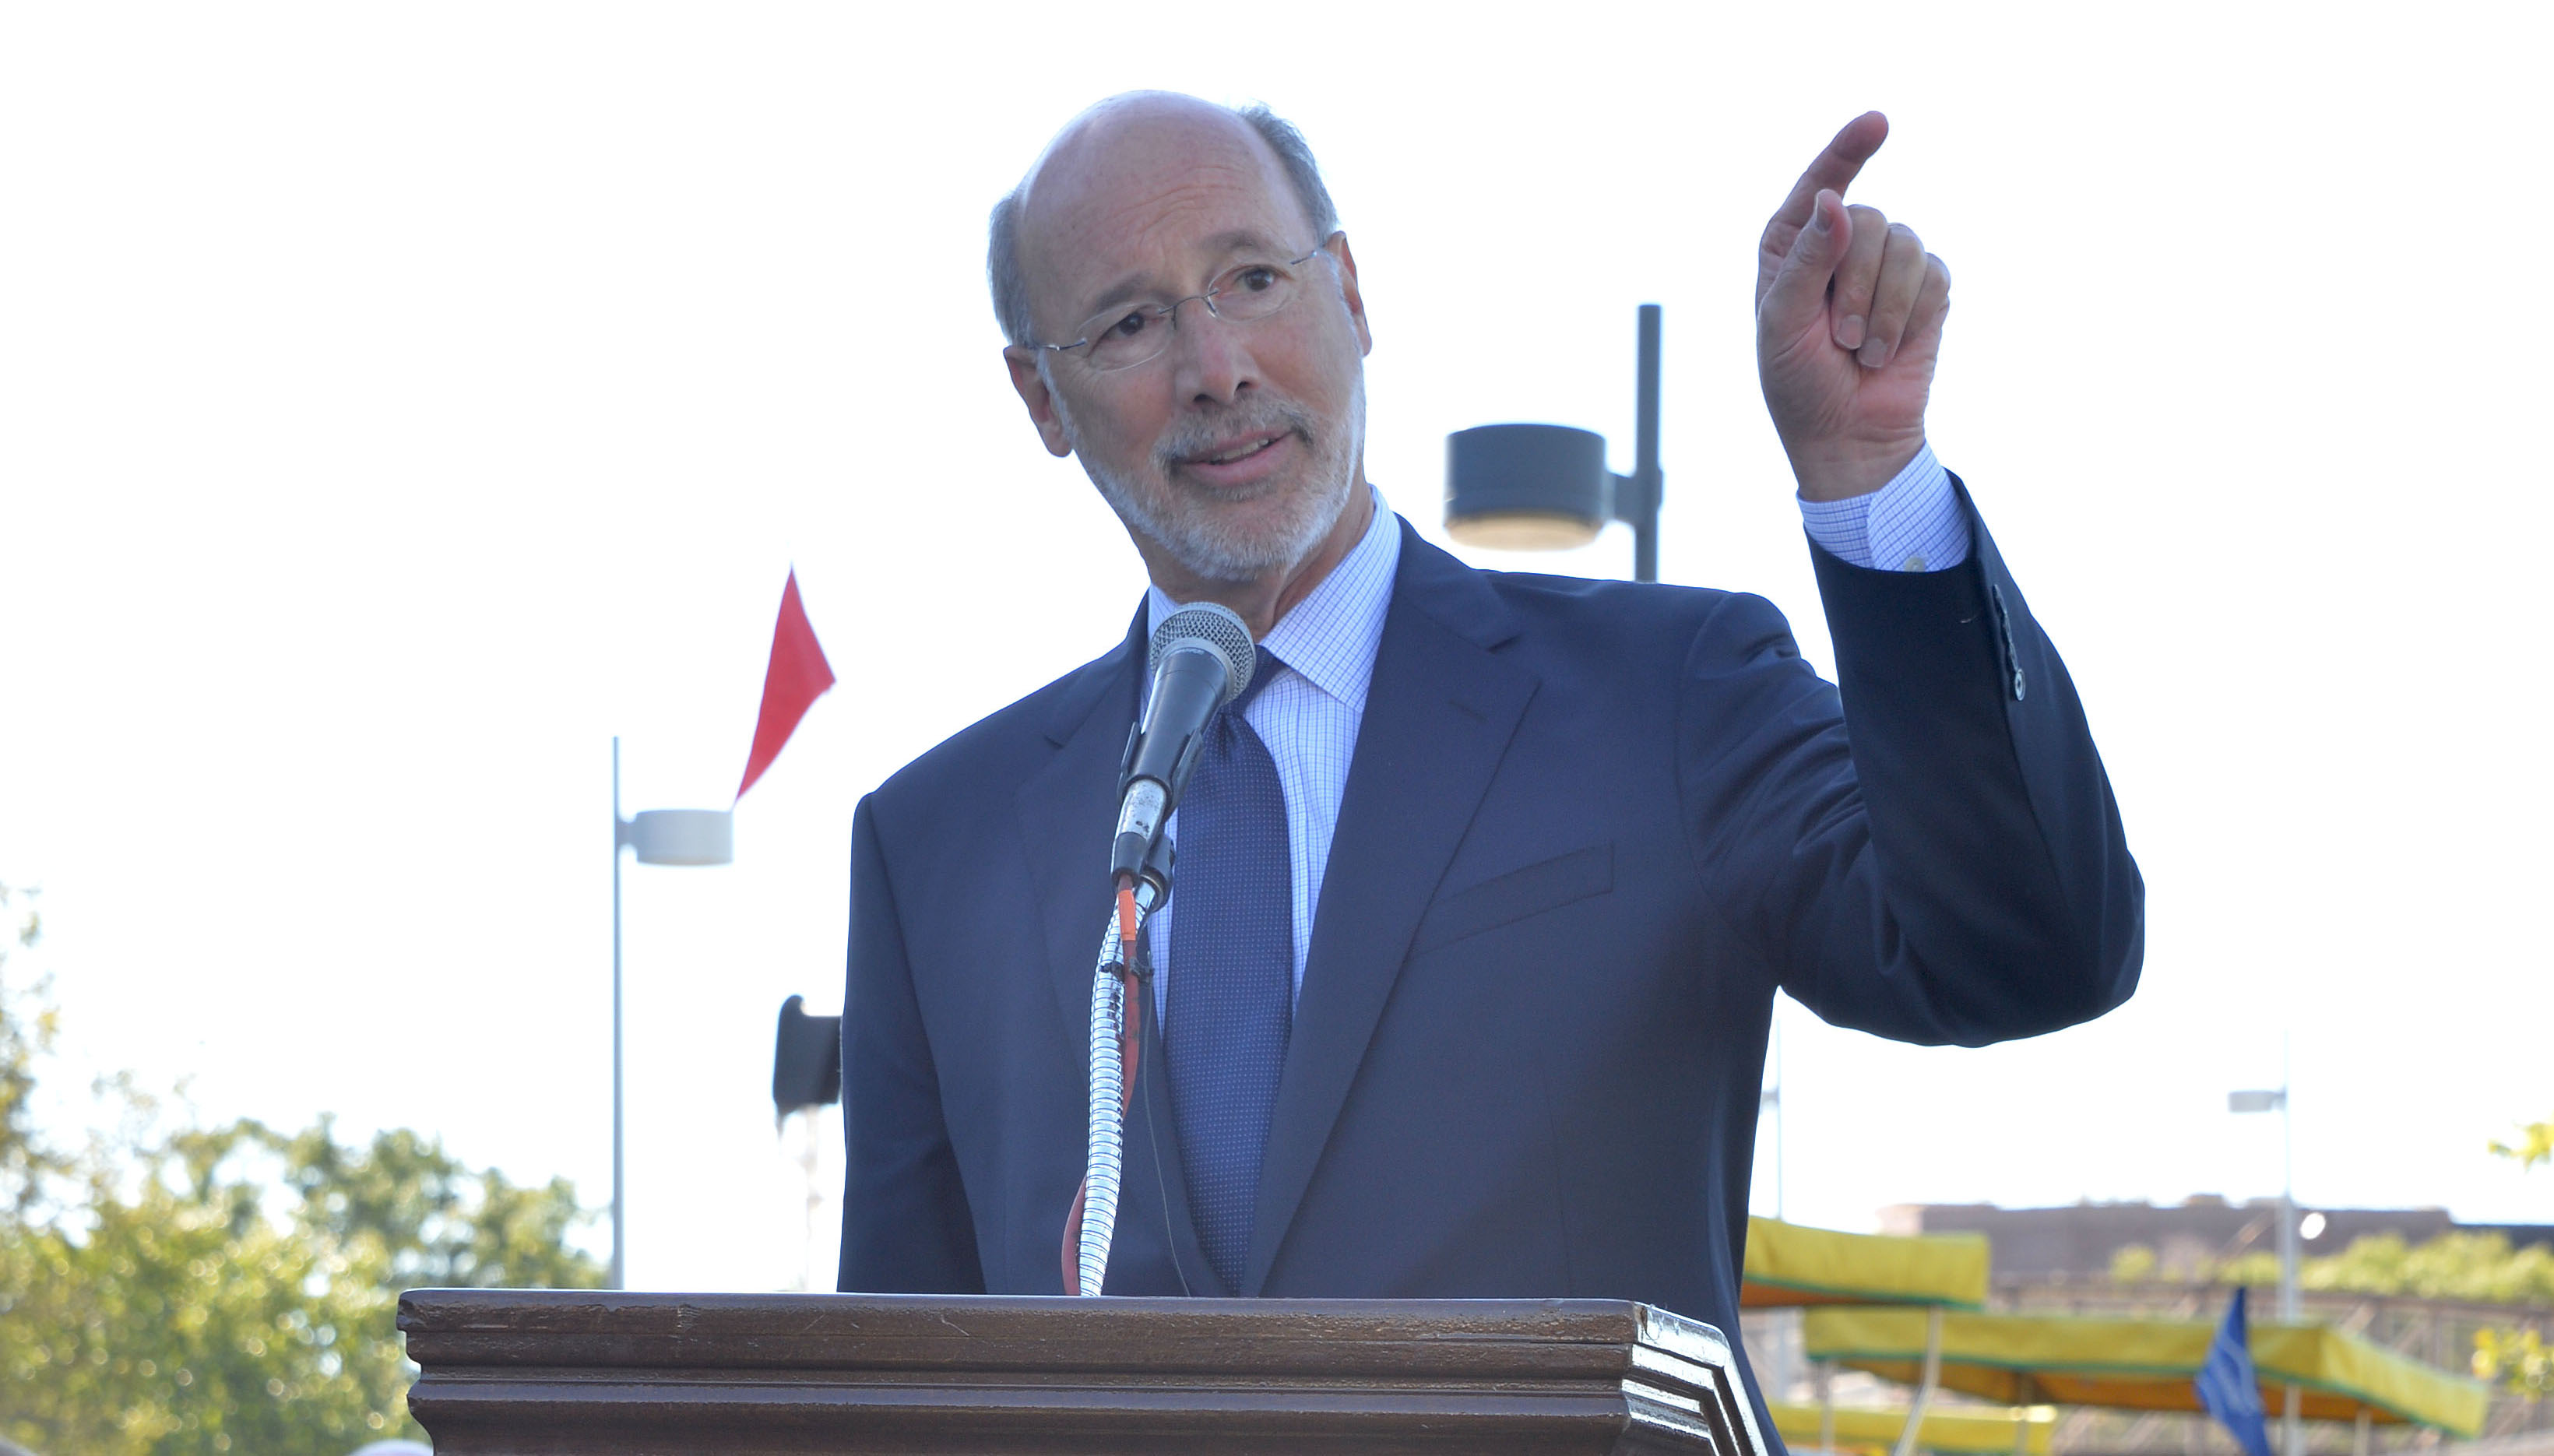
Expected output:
(576, 1372)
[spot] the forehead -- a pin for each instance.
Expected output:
(1124, 205)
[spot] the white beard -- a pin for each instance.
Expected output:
(1203, 539)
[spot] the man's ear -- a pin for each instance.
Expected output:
(1339, 245)
(1033, 393)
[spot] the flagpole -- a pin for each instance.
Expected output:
(620, 836)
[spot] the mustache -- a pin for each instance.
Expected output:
(1196, 434)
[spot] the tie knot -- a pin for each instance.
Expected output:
(1262, 672)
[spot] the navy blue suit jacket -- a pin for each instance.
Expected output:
(1589, 828)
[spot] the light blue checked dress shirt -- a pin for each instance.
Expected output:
(1310, 715)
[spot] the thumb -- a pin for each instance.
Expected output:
(1798, 297)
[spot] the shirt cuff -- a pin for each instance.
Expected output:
(1913, 524)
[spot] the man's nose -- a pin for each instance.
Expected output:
(1211, 356)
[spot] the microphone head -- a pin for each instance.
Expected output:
(1218, 629)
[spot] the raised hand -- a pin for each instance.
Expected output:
(1849, 313)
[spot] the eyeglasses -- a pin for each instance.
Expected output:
(1133, 334)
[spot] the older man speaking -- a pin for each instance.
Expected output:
(1486, 884)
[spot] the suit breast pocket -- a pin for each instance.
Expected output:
(1546, 884)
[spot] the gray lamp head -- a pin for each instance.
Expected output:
(681, 835)
(1527, 487)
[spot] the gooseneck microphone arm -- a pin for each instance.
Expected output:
(1118, 996)
(1202, 659)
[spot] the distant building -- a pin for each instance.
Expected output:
(2059, 1245)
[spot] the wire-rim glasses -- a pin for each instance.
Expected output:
(1132, 334)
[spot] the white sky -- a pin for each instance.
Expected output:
(396, 402)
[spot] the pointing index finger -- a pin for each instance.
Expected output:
(1835, 168)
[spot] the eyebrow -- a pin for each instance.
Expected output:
(1134, 286)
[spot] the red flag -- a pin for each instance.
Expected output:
(798, 677)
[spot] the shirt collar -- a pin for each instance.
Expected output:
(1331, 637)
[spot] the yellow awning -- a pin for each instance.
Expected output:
(1986, 1432)
(2143, 1364)
(1790, 1264)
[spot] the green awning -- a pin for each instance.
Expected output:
(2143, 1364)
(1790, 1264)
(1981, 1432)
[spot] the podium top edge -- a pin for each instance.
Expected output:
(689, 1320)
(632, 1310)
(783, 1298)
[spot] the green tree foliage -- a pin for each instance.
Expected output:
(2134, 1265)
(2482, 1268)
(2519, 1358)
(233, 1288)
(442, 1224)
(2535, 1144)
(2479, 1267)
(178, 1321)
(26, 1035)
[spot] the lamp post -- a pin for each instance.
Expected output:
(2275, 1099)
(1770, 1100)
(1784, 1333)
(1546, 487)
(659, 836)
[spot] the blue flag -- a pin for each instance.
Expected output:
(2228, 1387)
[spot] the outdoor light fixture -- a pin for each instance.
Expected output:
(1545, 487)
(681, 835)
(659, 836)
(806, 1073)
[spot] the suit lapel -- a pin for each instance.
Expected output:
(1068, 809)
(1439, 715)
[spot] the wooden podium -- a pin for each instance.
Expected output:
(574, 1371)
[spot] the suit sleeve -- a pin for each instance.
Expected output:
(906, 1227)
(1931, 850)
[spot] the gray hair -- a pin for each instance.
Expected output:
(1002, 252)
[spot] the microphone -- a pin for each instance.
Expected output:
(1202, 659)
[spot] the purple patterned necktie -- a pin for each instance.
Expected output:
(1232, 991)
